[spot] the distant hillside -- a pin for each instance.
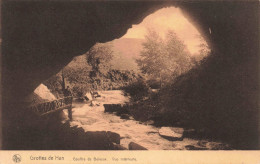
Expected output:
(126, 50)
(79, 62)
(129, 47)
(78, 76)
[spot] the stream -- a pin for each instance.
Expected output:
(93, 118)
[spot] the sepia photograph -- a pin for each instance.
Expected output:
(129, 75)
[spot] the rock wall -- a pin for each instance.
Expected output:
(39, 38)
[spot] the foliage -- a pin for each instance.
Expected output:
(77, 77)
(204, 51)
(98, 57)
(164, 59)
(210, 99)
(138, 90)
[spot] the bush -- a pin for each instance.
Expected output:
(138, 90)
(79, 90)
(212, 98)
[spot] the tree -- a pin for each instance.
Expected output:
(204, 51)
(178, 56)
(163, 59)
(152, 61)
(98, 57)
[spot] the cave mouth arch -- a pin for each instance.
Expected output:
(39, 38)
(128, 48)
(45, 51)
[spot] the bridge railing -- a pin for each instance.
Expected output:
(53, 106)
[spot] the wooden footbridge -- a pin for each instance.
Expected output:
(53, 106)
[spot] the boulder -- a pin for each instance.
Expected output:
(113, 137)
(107, 108)
(88, 96)
(125, 116)
(94, 103)
(202, 143)
(111, 107)
(80, 99)
(121, 111)
(135, 146)
(171, 133)
(99, 140)
(43, 92)
(219, 146)
(149, 122)
(118, 108)
(191, 147)
(119, 147)
(131, 118)
(96, 94)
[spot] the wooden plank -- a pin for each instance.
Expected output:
(53, 111)
(52, 106)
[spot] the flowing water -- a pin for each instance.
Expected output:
(93, 118)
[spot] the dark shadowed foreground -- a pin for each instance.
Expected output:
(40, 38)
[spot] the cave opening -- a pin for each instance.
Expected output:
(219, 97)
(166, 24)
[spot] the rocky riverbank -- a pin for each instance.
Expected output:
(140, 134)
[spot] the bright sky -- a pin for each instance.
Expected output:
(164, 19)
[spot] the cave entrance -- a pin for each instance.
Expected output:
(131, 75)
(178, 47)
(40, 38)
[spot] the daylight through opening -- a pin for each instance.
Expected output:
(134, 72)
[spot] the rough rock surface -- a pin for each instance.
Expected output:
(88, 96)
(135, 146)
(125, 116)
(40, 38)
(44, 92)
(171, 133)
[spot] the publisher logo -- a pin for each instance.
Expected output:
(17, 158)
